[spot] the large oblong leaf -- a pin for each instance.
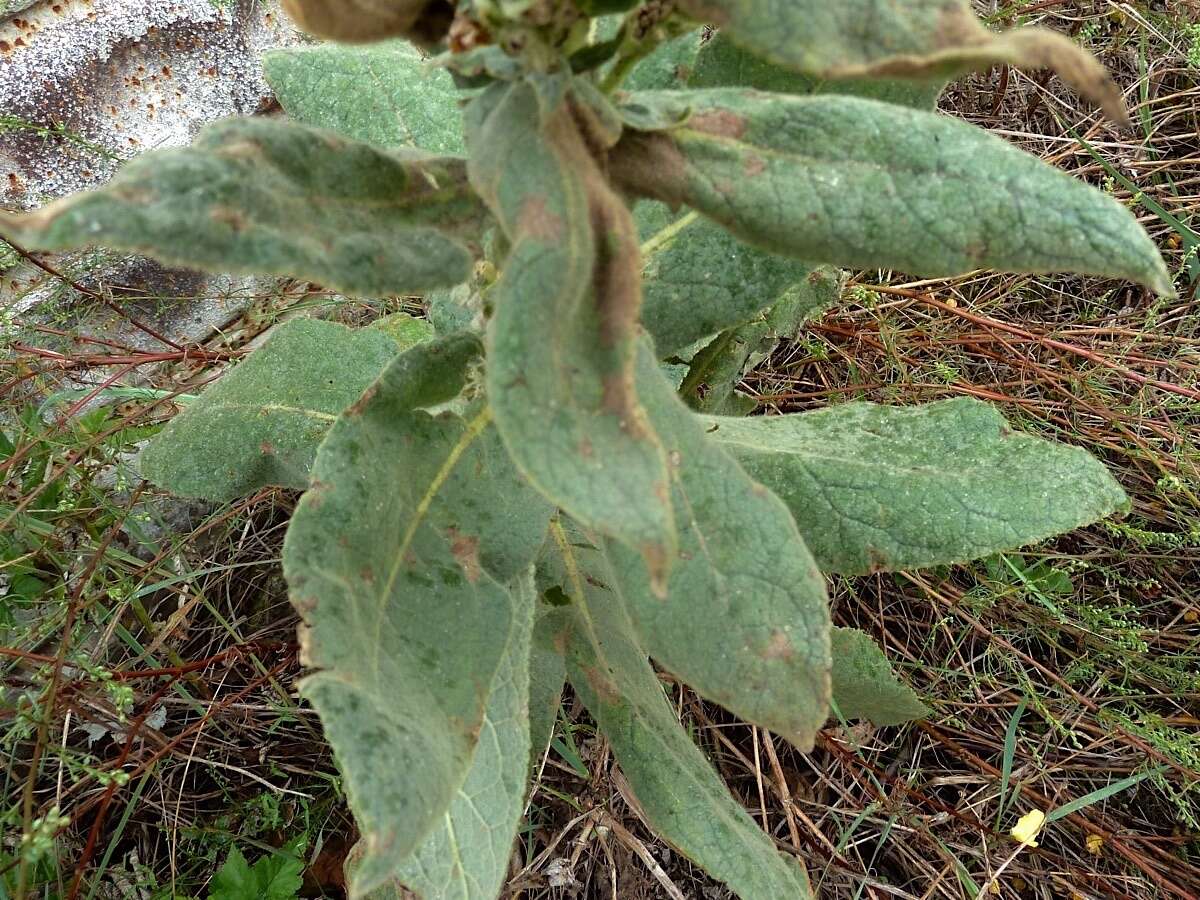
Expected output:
(859, 183)
(745, 619)
(561, 340)
(681, 796)
(267, 197)
(384, 94)
(884, 488)
(399, 560)
(901, 38)
(261, 422)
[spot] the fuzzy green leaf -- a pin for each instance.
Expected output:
(561, 341)
(268, 197)
(383, 94)
(455, 309)
(669, 66)
(466, 857)
(407, 331)
(745, 619)
(546, 678)
(722, 63)
(898, 38)
(261, 422)
(884, 488)
(698, 279)
(681, 796)
(864, 685)
(399, 559)
(871, 184)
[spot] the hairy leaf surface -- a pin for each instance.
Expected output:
(560, 359)
(722, 63)
(399, 560)
(669, 66)
(901, 38)
(261, 422)
(466, 857)
(407, 331)
(884, 488)
(859, 183)
(275, 198)
(680, 794)
(547, 675)
(745, 619)
(864, 685)
(698, 279)
(384, 94)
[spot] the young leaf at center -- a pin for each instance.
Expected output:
(561, 341)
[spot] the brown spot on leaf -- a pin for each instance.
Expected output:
(658, 565)
(231, 217)
(266, 448)
(720, 122)
(649, 165)
(877, 560)
(753, 165)
(304, 605)
(363, 402)
(602, 685)
(779, 647)
(618, 394)
(537, 221)
(562, 639)
(465, 549)
(304, 633)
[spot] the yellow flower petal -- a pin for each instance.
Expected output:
(1027, 828)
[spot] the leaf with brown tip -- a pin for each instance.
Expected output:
(361, 21)
(916, 39)
(864, 184)
(561, 341)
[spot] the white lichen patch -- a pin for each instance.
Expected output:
(87, 84)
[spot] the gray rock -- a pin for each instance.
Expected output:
(88, 84)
